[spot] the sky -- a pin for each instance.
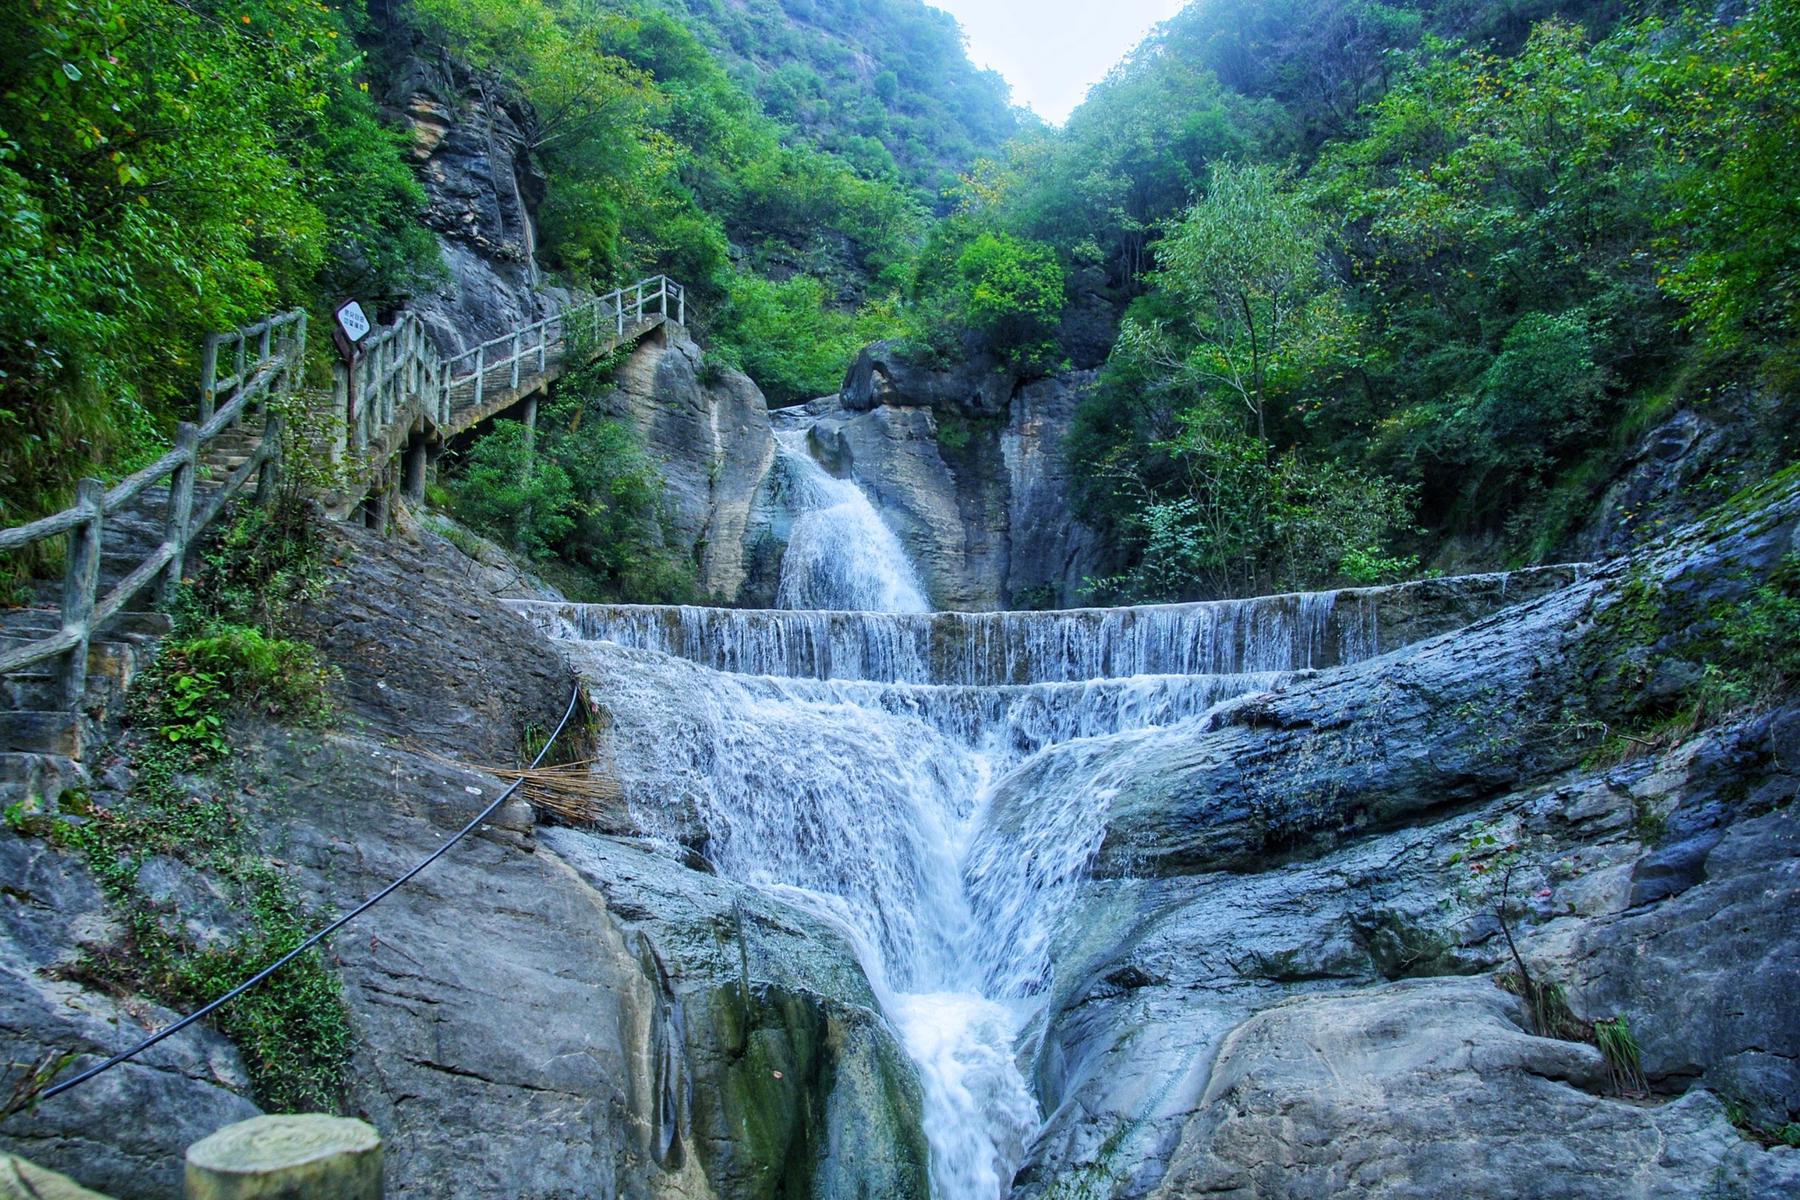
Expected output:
(1052, 51)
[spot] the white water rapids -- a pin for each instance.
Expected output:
(843, 754)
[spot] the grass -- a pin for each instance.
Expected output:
(1624, 1060)
(1767, 1136)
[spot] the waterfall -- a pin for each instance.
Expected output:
(1271, 633)
(844, 752)
(840, 554)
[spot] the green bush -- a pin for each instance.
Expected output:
(787, 337)
(1012, 292)
(583, 492)
(513, 494)
(280, 676)
(1232, 520)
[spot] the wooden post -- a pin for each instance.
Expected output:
(300, 347)
(639, 290)
(181, 509)
(81, 583)
(544, 347)
(681, 307)
(412, 469)
(516, 355)
(308, 1154)
(530, 421)
(269, 477)
(480, 370)
(238, 360)
(209, 375)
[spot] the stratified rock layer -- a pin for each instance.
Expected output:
(1248, 998)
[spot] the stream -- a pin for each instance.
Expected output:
(843, 750)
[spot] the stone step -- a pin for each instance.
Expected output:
(133, 626)
(29, 689)
(43, 731)
(113, 663)
(38, 779)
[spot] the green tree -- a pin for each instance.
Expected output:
(1012, 293)
(167, 170)
(1245, 263)
(1235, 520)
(1732, 96)
(518, 496)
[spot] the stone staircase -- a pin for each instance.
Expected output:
(45, 746)
(229, 451)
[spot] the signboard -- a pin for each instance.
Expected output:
(352, 322)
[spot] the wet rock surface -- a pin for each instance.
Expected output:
(967, 464)
(596, 1017)
(1249, 999)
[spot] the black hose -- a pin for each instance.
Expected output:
(321, 935)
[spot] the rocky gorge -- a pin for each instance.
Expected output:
(918, 879)
(1091, 920)
(910, 892)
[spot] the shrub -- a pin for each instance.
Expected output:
(511, 493)
(1012, 292)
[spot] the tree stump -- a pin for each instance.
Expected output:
(304, 1157)
(22, 1180)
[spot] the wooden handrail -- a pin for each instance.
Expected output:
(265, 358)
(83, 609)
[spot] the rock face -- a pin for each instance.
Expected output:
(597, 1018)
(1250, 994)
(123, 1133)
(1700, 453)
(968, 466)
(472, 153)
(712, 437)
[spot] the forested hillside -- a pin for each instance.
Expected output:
(1391, 282)
(1375, 286)
(173, 169)
(883, 84)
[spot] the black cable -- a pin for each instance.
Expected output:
(321, 935)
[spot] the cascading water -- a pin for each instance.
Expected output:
(846, 760)
(840, 554)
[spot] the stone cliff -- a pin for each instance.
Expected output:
(968, 467)
(1274, 984)
(472, 152)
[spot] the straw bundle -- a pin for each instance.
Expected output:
(575, 793)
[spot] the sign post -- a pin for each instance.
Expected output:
(349, 326)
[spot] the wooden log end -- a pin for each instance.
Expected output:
(281, 1157)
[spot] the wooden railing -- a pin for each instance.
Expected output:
(397, 379)
(398, 376)
(270, 369)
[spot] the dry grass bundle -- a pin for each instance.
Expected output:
(575, 793)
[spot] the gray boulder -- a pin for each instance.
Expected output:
(711, 435)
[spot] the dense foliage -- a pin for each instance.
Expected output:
(883, 85)
(658, 160)
(1456, 278)
(1369, 279)
(580, 497)
(167, 170)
